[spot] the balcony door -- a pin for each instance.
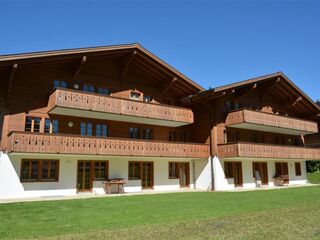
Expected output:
(84, 176)
(260, 169)
(184, 174)
(147, 175)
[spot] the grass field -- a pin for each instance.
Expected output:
(274, 214)
(314, 177)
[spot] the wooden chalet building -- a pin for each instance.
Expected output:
(71, 119)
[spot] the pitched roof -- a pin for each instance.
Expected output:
(10, 59)
(220, 91)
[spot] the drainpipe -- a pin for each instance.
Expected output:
(211, 113)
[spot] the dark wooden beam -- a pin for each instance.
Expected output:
(153, 75)
(126, 67)
(170, 85)
(268, 90)
(249, 90)
(83, 61)
(10, 82)
(292, 103)
(148, 69)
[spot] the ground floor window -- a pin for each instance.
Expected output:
(134, 170)
(234, 170)
(173, 170)
(39, 170)
(181, 171)
(281, 168)
(100, 170)
(297, 166)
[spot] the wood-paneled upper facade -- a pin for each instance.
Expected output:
(116, 100)
(267, 117)
(122, 100)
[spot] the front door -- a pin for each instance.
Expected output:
(184, 174)
(84, 179)
(147, 175)
(262, 169)
(237, 170)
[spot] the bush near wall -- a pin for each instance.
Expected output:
(313, 166)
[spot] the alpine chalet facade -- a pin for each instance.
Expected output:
(72, 119)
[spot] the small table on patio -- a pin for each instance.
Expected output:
(114, 181)
(281, 180)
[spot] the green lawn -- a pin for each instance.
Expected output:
(274, 214)
(314, 177)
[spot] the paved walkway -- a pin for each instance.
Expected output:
(87, 195)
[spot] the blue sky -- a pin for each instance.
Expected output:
(212, 42)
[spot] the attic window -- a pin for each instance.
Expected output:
(135, 96)
(60, 83)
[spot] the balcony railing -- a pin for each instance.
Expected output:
(270, 122)
(73, 144)
(254, 150)
(118, 108)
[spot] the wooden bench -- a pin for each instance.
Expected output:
(119, 182)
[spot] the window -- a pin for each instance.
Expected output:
(86, 129)
(49, 170)
(135, 96)
(167, 101)
(88, 88)
(134, 133)
(297, 166)
(173, 170)
(51, 126)
(39, 170)
(228, 169)
(134, 170)
(237, 105)
(100, 170)
(281, 168)
(182, 136)
(103, 90)
(60, 83)
(101, 130)
(146, 133)
(172, 136)
(147, 98)
(230, 105)
(32, 124)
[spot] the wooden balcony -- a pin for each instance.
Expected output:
(23, 142)
(253, 150)
(92, 105)
(260, 121)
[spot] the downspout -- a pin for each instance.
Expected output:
(211, 139)
(211, 148)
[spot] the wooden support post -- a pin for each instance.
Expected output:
(75, 75)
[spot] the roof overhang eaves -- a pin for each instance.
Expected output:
(211, 93)
(67, 52)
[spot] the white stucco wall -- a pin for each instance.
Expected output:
(202, 172)
(222, 183)
(11, 187)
